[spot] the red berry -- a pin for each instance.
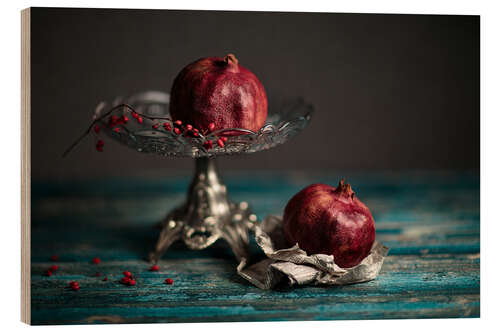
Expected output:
(54, 257)
(131, 283)
(211, 127)
(167, 127)
(195, 130)
(48, 272)
(177, 131)
(154, 268)
(105, 279)
(178, 122)
(139, 120)
(127, 274)
(223, 138)
(155, 126)
(169, 281)
(135, 115)
(195, 134)
(208, 144)
(125, 119)
(97, 128)
(73, 283)
(117, 129)
(96, 260)
(189, 127)
(75, 287)
(54, 268)
(220, 143)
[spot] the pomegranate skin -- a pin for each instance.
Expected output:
(328, 220)
(219, 91)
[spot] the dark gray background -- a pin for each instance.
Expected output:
(390, 91)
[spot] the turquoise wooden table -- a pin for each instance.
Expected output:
(429, 220)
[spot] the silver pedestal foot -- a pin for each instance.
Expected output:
(207, 216)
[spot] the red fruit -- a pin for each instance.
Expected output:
(105, 279)
(189, 127)
(127, 274)
(140, 120)
(125, 119)
(54, 268)
(169, 281)
(328, 220)
(223, 138)
(131, 283)
(221, 92)
(208, 144)
(97, 128)
(117, 129)
(155, 126)
(48, 272)
(135, 115)
(154, 268)
(167, 127)
(220, 142)
(73, 283)
(96, 261)
(177, 131)
(178, 122)
(75, 287)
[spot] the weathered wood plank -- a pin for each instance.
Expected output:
(430, 221)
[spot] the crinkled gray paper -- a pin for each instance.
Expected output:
(297, 267)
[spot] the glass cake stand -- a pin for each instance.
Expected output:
(207, 214)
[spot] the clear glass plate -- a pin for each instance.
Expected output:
(285, 120)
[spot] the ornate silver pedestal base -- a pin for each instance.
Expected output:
(207, 216)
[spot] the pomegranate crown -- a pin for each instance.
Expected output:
(345, 189)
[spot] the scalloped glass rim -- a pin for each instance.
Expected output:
(290, 117)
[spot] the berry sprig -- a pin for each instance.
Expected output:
(117, 123)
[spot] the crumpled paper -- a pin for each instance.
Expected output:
(298, 268)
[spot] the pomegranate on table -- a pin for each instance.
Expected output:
(329, 220)
(221, 92)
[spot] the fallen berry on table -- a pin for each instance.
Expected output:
(220, 143)
(154, 268)
(54, 257)
(96, 260)
(169, 281)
